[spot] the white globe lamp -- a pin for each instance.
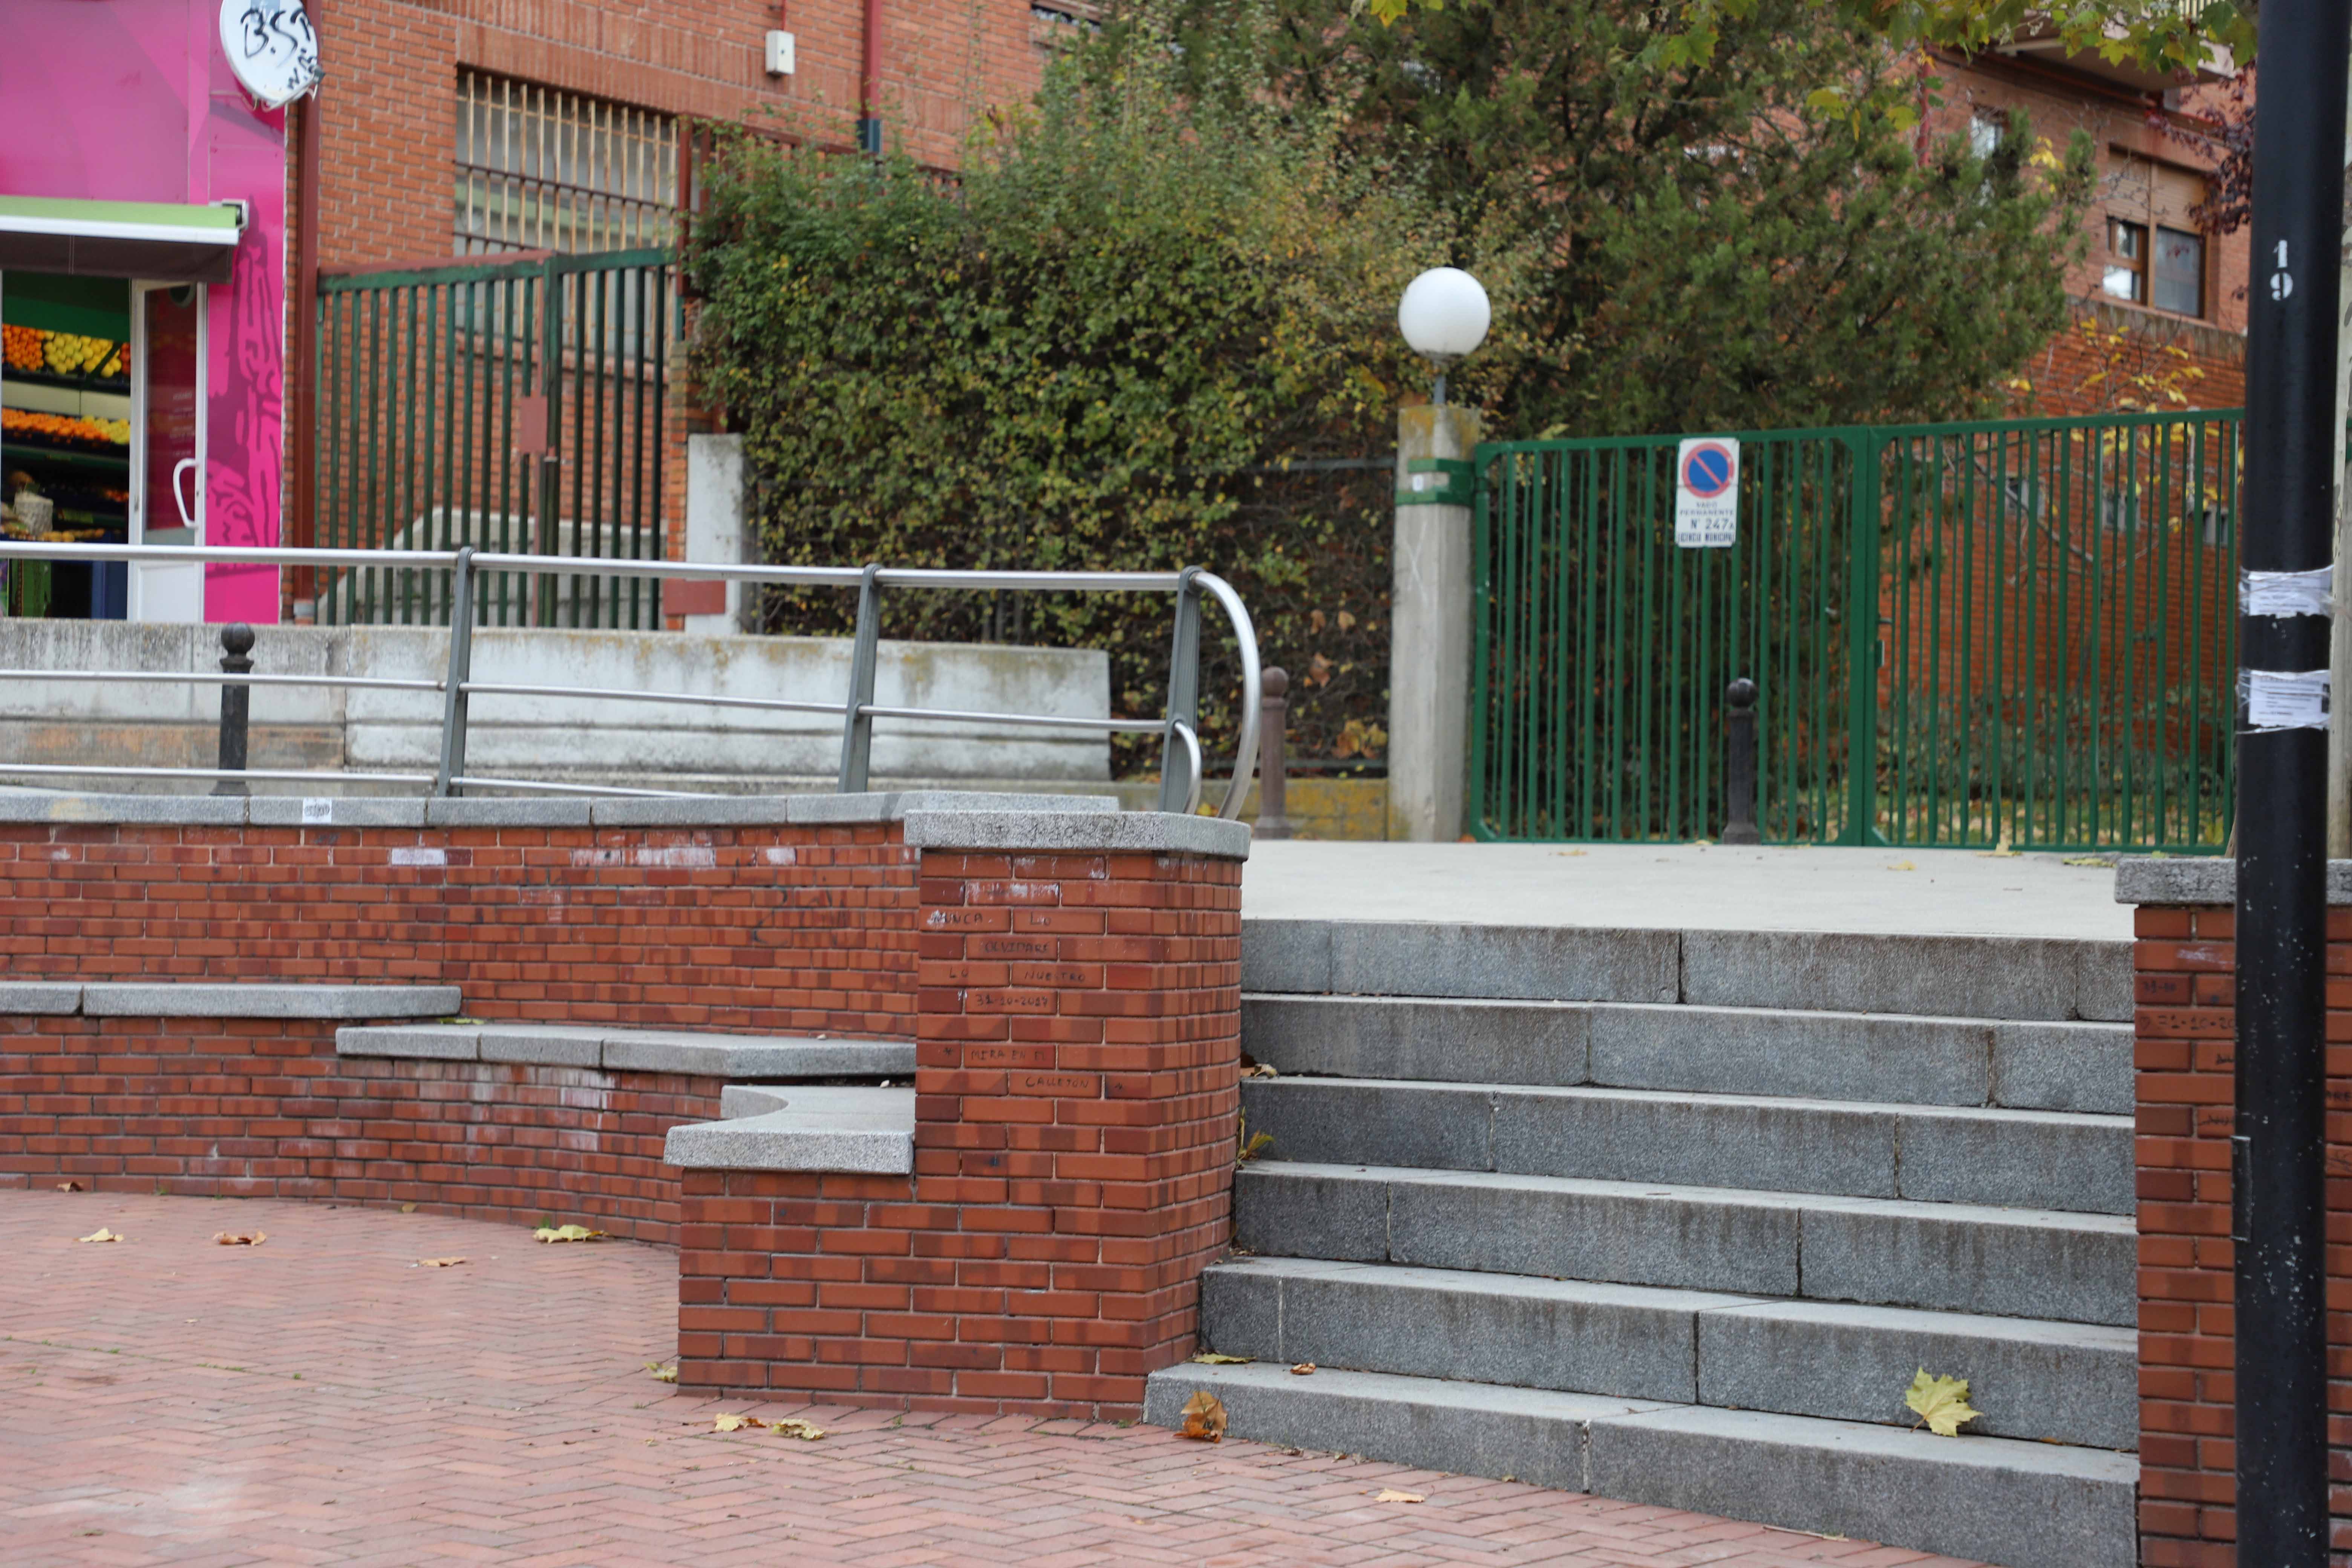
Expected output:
(1444, 316)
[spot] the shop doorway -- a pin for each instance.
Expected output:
(101, 440)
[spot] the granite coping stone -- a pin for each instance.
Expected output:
(1081, 833)
(2205, 880)
(869, 1130)
(635, 1051)
(266, 1000)
(503, 811)
(23, 998)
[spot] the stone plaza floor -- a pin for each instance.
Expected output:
(324, 1398)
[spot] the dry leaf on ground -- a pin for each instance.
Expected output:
(794, 1427)
(567, 1233)
(1942, 1403)
(1903, 866)
(1204, 1418)
(2103, 860)
(2000, 851)
(68, 1187)
(1211, 1358)
(1259, 1069)
(101, 1234)
(1304, 1368)
(1389, 1494)
(662, 1374)
(231, 1238)
(735, 1423)
(408, 1208)
(438, 1262)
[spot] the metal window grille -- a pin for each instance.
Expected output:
(538, 169)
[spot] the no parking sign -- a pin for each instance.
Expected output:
(1707, 493)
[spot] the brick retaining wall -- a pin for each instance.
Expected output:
(265, 1107)
(774, 927)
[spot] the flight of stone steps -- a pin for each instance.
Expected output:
(1675, 1217)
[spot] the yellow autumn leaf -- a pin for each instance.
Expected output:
(1211, 1358)
(101, 1234)
(794, 1427)
(735, 1423)
(567, 1233)
(1389, 1494)
(1903, 866)
(438, 1262)
(662, 1374)
(1304, 1368)
(231, 1238)
(1204, 1418)
(1941, 1402)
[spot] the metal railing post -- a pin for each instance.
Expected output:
(236, 705)
(1273, 821)
(1740, 764)
(1178, 765)
(461, 670)
(856, 723)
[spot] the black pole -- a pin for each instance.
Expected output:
(1740, 764)
(237, 705)
(2293, 458)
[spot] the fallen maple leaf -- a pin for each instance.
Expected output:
(794, 1427)
(438, 1262)
(1259, 1069)
(567, 1233)
(662, 1374)
(1942, 1403)
(1211, 1358)
(735, 1423)
(1304, 1368)
(408, 1208)
(1389, 1494)
(230, 1238)
(101, 1234)
(1204, 1418)
(68, 1187)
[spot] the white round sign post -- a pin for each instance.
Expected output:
(271, 47)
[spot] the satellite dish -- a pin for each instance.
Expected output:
(271, 47)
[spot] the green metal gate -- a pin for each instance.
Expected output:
(2012, 632)
(517, 404)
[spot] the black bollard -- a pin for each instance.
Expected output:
(1740, 764)
(237, 705)
(1273, 714)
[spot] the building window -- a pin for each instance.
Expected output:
(1986, 131)
(543, 170)
(2126, 274)
(2155, 254)
(2178, 277)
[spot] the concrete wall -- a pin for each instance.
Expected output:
(674, 745)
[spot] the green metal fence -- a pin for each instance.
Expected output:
(2012, 632)
(515, 405)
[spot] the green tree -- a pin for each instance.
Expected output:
(1698, 239)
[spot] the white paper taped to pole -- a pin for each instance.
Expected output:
(2311, 593)
(2283, 700)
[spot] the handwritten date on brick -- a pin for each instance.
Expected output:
(993, 1001)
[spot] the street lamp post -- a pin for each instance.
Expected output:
(1444, 316)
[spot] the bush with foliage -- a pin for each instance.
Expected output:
(1139, 325)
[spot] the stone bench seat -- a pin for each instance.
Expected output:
(866, 1131)
(260, 999)
(633, 1050)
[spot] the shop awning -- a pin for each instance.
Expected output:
(164, 241)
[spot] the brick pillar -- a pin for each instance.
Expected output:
(2184, 1040)
(1077, 1087)
(1077, 1105)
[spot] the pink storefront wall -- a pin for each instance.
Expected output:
(98, 101)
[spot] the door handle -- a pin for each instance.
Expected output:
(187, 518)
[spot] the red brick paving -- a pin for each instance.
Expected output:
(319, 1399)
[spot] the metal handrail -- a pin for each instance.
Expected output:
(1183, 772)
